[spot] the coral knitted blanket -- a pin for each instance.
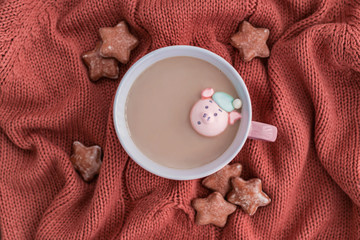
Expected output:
(309, 88)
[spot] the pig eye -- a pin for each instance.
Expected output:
(198, 122)
(215, 114)
(206, 107)
(204, 115)
(210, 101)
(220, 110)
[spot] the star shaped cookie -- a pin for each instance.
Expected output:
(248, 194)
(220, 181)
(213, 209)
(98, 66)
(251, 41)
(86, 160)
(117, 42)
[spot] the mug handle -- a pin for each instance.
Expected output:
(262, 131)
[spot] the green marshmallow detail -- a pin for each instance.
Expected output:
(224, 101)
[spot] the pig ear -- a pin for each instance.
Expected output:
(207, 93)
(233, 117)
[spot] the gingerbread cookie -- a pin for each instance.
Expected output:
(220, 181)
(248, 194)
(251, 41)
(100, 67)
(213, 209)
(86, 160)
(117, 42)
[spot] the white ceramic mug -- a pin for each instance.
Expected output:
(247, 128)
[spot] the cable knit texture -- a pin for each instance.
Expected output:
(309, 88)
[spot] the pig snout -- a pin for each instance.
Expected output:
(206, 118)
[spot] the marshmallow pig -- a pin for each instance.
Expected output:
(213, 112)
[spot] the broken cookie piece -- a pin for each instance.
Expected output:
(86, 160)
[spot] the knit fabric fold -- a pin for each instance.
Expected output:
(309, 88)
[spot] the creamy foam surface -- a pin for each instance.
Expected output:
(158, 108)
